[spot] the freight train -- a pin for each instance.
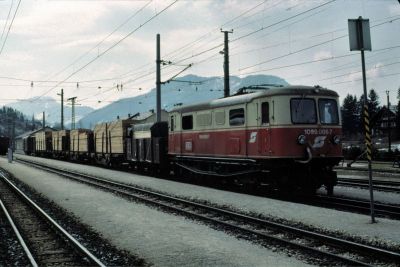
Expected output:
(287, 137)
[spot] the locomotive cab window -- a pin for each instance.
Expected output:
(328, 112)
(303, 111)
(236, 117)
(264, 112)
(187, 122)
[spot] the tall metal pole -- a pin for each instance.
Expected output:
(72, 99)
(366, 122)
(158, 79)
(388, 115)
(62, 108)
(226, 63)
(13, 135)
(44, 120)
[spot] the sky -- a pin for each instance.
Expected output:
(101, 51)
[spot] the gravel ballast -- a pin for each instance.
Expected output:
(355, 225)
(159, 238)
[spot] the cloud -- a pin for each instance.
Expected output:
(394, 9)
(375, 71)
(322, 55)
(58, 18)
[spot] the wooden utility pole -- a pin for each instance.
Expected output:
(62, 108)
(158, 79)
(226, 63)
(44, 120)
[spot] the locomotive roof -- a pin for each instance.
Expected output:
(245, 98)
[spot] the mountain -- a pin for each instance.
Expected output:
(52, 110)
(191, 89)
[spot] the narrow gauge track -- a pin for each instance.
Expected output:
(44, 242)
(322, 248)
(388, 186)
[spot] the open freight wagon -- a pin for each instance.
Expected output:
(109, 141)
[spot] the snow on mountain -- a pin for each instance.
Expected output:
(194, 89)
(51, 108)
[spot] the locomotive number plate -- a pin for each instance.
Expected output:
(317, 131)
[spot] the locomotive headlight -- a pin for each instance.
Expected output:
(336, 139)
(301, 139)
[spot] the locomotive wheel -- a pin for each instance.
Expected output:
(329, 190)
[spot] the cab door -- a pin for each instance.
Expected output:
(265, 127)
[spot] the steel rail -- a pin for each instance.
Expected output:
(358, 205)
(389, 186)
(21, 240)
(336, 242)
(53, 223)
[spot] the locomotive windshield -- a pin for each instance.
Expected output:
(328, 112)
(303, 110)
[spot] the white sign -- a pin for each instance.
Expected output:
(253, 137)
(359, 34)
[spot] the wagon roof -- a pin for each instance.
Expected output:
(245, 98)
(31, 133)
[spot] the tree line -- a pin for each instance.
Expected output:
(14, 122)
(353, 116)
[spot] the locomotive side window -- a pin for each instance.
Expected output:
(328, 112)
(303, 111)
(236, 117)
(187, 122)
(172, 123)
(264, 112)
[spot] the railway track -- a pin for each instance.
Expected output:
(43, 241)
(321, 248)
(361, 206)
(388, 186)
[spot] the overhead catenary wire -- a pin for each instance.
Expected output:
(9, 27)
(281, 21)
(296, 64)
(5, 24)
(192, 43)
(102, 41)
(247, 11)
(377, 51)
(108, 49)
(119, 76)
(310, 47)
(378, 77)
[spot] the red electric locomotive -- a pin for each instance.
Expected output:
(288, 137)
